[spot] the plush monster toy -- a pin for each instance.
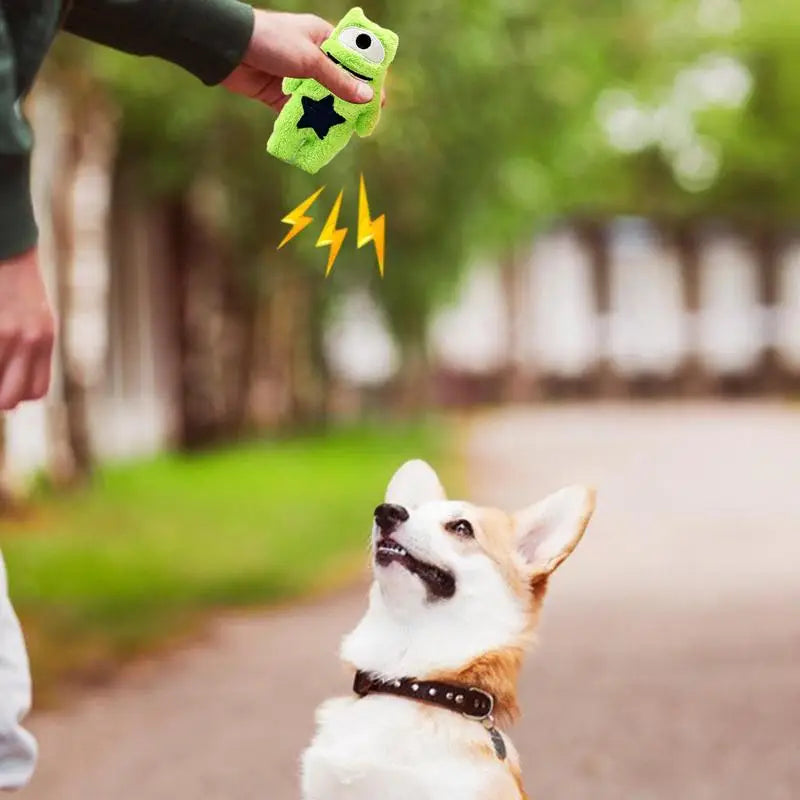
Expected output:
(315, 125)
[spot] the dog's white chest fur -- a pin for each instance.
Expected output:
(389, 748)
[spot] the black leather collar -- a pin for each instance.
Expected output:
(473, 703)
(468, 701)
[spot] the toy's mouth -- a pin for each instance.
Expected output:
(351, 71)
(440, 583)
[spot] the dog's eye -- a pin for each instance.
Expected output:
(364, 43)
(460, 526)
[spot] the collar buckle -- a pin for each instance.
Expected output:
(484, 705)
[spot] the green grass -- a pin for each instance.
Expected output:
(144, 553)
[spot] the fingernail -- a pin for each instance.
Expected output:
(364, 93)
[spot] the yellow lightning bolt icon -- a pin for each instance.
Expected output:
(331, 235)
(297, 218)
(370, 230)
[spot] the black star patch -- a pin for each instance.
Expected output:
(319, 115)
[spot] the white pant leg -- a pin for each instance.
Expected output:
(17, 746)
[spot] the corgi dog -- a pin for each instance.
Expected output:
(452, 610)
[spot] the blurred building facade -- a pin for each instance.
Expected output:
(643, 321)
(638, 321)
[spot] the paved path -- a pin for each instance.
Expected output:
(669, 666)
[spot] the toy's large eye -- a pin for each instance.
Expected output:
(364, 43)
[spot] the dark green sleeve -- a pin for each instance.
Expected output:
(206, 37)
(17, 226)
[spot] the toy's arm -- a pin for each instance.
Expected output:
(289, 85)
(367, 121)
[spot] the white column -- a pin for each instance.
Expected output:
(731, 333)
(471, 335)
(647, 331)
(559, 332)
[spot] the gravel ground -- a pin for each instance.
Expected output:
(669, 663)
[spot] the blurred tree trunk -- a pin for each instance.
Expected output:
(296, 346)
(313, 351)
(241, 305)
(193, 429)
(63, 228)
(238, 307)
(215, 314)
(694, 378)
(512, 275)
(416, 381)
(6, 496)
(772, 373)
(593, 235)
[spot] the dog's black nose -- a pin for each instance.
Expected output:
(388, 516)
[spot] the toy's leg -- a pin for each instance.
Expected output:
(301, 148)
(313, 156)
(285, 142)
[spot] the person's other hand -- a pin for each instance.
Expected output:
(287, 45)
(26, 331)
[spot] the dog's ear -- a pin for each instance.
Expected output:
(548, 531)
(413, 484)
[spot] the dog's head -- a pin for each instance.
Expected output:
(431, 552)
(465, 579)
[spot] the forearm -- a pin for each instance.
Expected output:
(17, 746)
(206, 37)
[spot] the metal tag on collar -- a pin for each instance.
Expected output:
(486, 715)
(498, 742)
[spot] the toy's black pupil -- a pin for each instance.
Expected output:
(363, 41)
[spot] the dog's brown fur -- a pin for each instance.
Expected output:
(497, 672)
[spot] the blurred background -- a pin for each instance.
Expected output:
(592, 273)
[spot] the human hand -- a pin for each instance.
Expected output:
(26, 331)
(287, 45)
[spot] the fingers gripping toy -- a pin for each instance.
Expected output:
(314, 125)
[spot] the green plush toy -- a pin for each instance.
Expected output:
(315, 125)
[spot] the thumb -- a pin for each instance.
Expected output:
(335, 78)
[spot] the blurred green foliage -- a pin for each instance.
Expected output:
(491, 130)
(99, 575)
